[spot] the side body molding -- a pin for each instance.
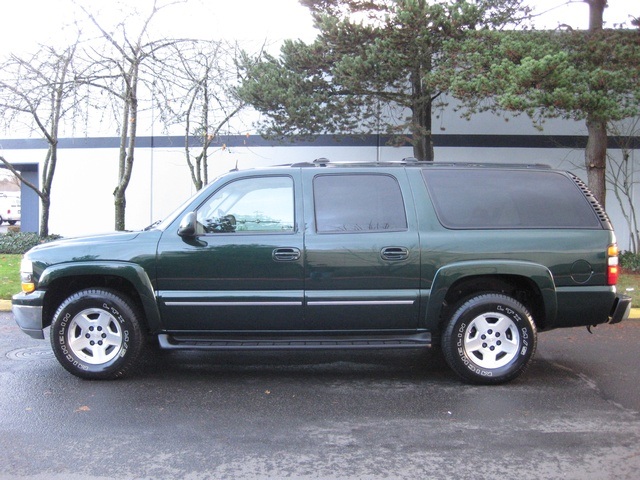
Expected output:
(447, 276)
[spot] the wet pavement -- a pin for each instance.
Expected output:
(575, 414)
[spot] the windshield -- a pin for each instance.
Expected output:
(162, 224)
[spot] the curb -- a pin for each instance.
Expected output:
(5, 306)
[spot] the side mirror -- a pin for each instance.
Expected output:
(187, 226)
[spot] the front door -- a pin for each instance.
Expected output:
(243, 271)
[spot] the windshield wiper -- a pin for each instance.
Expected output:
(157, 222)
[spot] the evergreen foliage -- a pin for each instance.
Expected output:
(549, 74)
(373, 62)
(20, 242)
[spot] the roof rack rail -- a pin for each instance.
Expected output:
(318, 162)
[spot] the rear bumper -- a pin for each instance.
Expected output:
(621, 309)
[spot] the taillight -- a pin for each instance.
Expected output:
(613, 270)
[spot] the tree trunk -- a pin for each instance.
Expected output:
(421, 120)
(48, 169)
(45, 203)
(595, 155)
(118, 194)
(596, 14)
(120, 203)
(127, 146)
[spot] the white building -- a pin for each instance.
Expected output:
(82, 192)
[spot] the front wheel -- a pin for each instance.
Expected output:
(97, 334)
(489, 339)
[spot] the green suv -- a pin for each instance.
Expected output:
(475, 259)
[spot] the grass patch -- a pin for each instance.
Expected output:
(629, 284)
(9, 276)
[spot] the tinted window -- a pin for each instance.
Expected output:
(508, 199)
(358, 203)
(255, 205)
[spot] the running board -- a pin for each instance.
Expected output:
(183, 342)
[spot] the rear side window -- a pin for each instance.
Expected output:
(358, 203)
(477, 199)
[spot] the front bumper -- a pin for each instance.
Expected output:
(27, 310)
(621, 309)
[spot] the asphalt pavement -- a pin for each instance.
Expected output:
(575, 414)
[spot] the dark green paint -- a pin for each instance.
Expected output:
(341, 283)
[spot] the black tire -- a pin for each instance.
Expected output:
(489, 339)
(97, 334)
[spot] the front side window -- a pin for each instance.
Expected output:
(251, 205)
(358, 203)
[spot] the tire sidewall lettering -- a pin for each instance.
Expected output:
(510, 312)
(125, 333)
(68, 354)
(90, 299)
(454, 338)
(464, 358)
(114, 311)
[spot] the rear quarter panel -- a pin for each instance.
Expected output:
(568, 265)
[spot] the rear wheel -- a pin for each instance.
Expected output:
(97, 334)
(489, 339)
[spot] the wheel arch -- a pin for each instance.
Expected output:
(529, 283)
(63, 280)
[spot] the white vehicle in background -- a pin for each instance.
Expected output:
(9, 209)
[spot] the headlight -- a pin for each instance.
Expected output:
(26, 275)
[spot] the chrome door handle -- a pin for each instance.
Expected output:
(394, 253)
(286, 254)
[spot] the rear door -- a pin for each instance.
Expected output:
(362, 265)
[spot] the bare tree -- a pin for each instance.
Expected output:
(200, 96)
(120, 71)
(37, 92)
(621, 173)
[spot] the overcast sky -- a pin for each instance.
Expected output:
(26, 23)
